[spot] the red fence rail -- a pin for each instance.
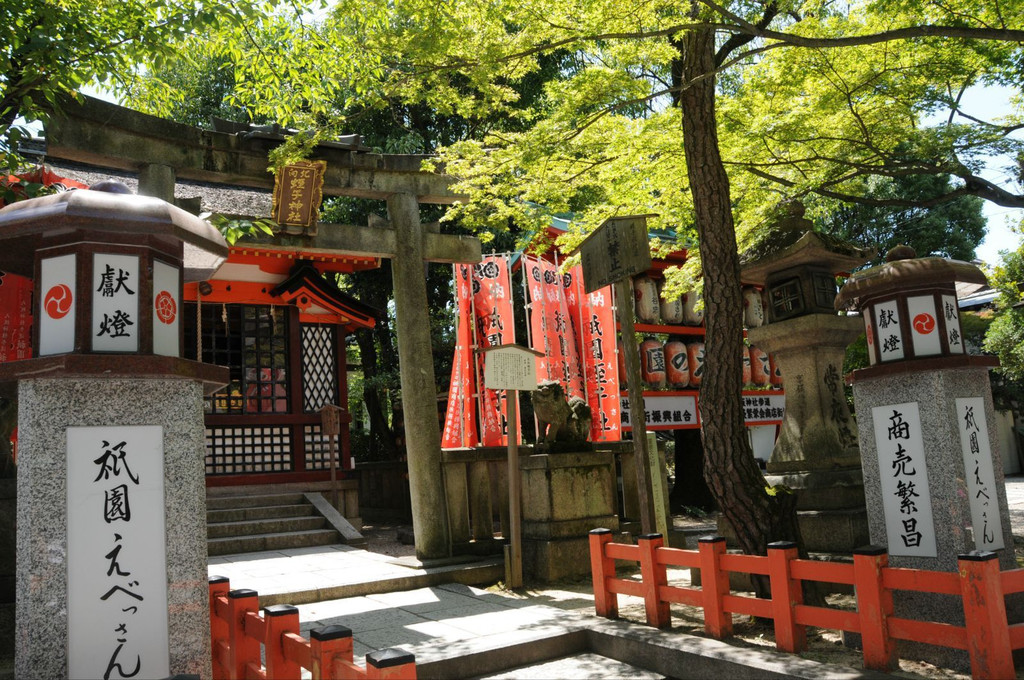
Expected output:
(987, 636)
(238, 634)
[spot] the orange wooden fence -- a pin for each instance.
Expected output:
(238, 631)
(986, 635)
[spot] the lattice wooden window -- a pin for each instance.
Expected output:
(316, 449)
(237, 450)
(319, 370)
(252, 341)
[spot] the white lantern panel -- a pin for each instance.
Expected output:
(115, 303)
(57, 305)
(889, 337)
(924, 326)
(954, 336)
(166, 309)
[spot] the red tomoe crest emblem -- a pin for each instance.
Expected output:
(924, 323)
(166, 309)
(57, 302)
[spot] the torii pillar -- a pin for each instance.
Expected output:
(419, 389)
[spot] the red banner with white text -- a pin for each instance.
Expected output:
(460, 419)
(595, 319)
(551, 328)
(492, 306)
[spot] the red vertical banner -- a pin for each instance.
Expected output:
(15, 317)
(540, 338)
(598, 335)
(551, 326)
(568, 347)
(492, 307)
(460, 417)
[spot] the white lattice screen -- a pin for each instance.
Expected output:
(319, 374)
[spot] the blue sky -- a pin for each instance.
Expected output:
(990, 103)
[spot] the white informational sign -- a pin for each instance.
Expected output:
(117, 575)
(906, 497)
(763, 408)
(166, 309)
(889, 337)
(675, 410)
(979, 474)
(57, 305)
(115, 303)
(952, 314)
(924, 326)
(664, 412)
(510, 368)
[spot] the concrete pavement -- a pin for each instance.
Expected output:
(457, 630)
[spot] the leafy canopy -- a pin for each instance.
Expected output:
(823, 100)
(49, 49)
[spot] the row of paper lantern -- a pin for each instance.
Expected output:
(653, 308)
(678, 365)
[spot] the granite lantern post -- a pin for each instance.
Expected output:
(932, 469)
(111, 545)
(816, 452)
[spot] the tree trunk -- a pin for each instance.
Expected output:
(729, 466)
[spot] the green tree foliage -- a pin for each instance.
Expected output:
(1005, 336)
(952, 229)
(705, 113)
(200, 83)
(51, 48)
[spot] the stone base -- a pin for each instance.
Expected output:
(565, 496)
(824, 531)
(834, 489)
(830, 508)
(46, 408)
(833, 531)
(560, 559)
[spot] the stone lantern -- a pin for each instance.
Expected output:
(816, 452)
(107, 286)
(111, 522)
(933, 473)
(909, 306)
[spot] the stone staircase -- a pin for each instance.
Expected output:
(244, 524)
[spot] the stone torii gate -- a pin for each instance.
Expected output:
(160, 151)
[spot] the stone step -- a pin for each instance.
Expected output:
(263, 542)
(230, 502)
(264, 526)
(259, 512)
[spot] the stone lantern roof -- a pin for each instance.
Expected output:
(790, 241)
(110, 215)
(904, 271)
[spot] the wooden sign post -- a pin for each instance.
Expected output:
(330, 426)
(512, 368)
(616, 251)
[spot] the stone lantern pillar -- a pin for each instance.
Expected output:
(111, 522)
(816, 453)
(933, 472)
